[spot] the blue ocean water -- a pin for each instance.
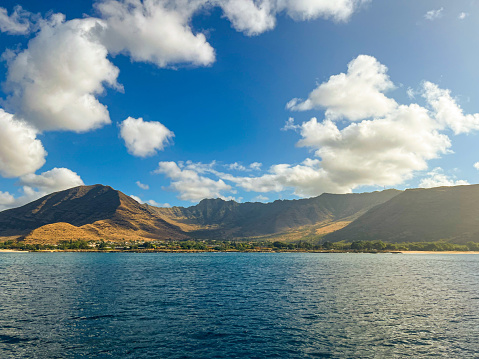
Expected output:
(238, 305)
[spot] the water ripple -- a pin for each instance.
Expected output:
(237, 305)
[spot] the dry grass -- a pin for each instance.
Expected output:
(329, 228)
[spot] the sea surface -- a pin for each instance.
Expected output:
(238, 305)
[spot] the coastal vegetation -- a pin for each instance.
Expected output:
(240, 246)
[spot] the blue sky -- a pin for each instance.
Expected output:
(189, 99)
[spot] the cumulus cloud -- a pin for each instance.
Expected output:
(437, 178)
(6, 200)
(55, 81)
(153, 203)
(340, 10)
(355, 95)
(20, 150)
(36, 186)
(142, 138)
(136, 198)
(260, 198)
(154, 31)
(142, 186)
(384, 151)
(18, 22)
(447, 111)
(462, 15)
(57, 179)
(249, 17)
(433, 14)
(255, 17)
(150, 202)
(190, 185)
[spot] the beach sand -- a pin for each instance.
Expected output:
(437, 252)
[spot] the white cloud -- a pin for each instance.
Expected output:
(434, 14)
(356, 95)
(254, 17)
(142, 138)
(6, 200)
(18, 23)
(57, 179)
(462, 15)
(411, 93)
(37, 186)
(154, 31)
(249, 17)
(260, 198)
(437, 178)
(151, 202)
(339, 10)
(447, 111)
(289, 124)
(255, 166)
(476, 165)
(156, 204)
(384, 151)
(55, 81)
(236, 167)
(191, 185)
(142, 186)
(136, 198)
(198, 166)
(20, 150)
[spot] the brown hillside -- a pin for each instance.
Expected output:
(99, 210)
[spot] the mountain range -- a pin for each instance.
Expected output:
(100, 212)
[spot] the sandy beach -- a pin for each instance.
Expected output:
(437, 252)
(11, 250)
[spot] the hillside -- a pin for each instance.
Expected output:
(85, 212)
(449, 213)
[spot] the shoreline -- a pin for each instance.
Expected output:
(227, 251)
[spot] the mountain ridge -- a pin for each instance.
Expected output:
(100, 212)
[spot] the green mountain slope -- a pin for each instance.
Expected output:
(216, 218)
(449, 213)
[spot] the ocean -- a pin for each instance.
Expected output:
(238, 305)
